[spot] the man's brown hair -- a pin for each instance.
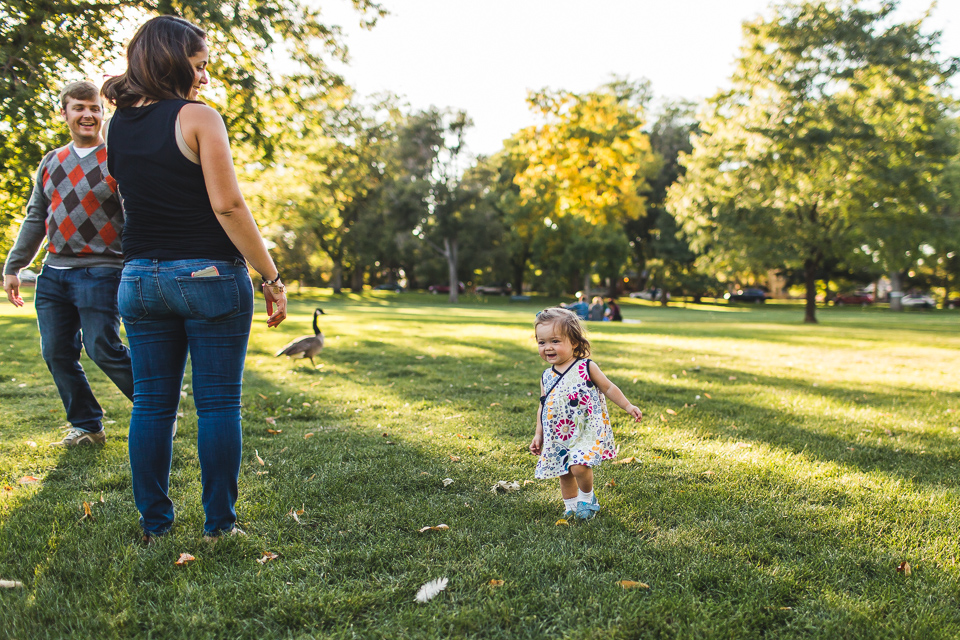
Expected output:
(158, 63)
(569, 326)
(83, 90)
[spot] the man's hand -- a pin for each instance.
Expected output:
(11, 284)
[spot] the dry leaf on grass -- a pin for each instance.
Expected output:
(611, 484)
(295, 514)
(271, 420)
(662, 419)
(184, 559)
(307, 435)
(267, 557)
(274, 431)
(505, 487)
(259, 459)
(262, 396)
(526, 482)
(625, 460)
(496, 583)
(494, 404)
(560, 522)
(708, 396)
(671, 412)
(630, 584)
(28, 480)
(86, 511)
(904, 568)
(10, 584)
(431, 589)
(439, 527)
(447, 482)
(708, 473)
(455, 458)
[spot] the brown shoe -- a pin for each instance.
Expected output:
(76, 437)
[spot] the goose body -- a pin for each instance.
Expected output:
(305, 346)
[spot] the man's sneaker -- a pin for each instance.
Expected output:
(586, 510)
(236, 531)
(76, 437)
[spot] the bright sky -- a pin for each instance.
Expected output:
(483, 56)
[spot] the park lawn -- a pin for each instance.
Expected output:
(781, 474)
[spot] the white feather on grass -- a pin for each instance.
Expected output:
(430, 590)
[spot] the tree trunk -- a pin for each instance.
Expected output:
(450, 251)
(337, 280)
(664, 297)
(896, 291)
(587, 277)
(810, 278)
(356, 279)
(519, 267)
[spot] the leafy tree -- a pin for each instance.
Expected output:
(44, 43)
(590, 159)
(828, 128)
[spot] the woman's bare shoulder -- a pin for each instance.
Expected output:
(201, 114)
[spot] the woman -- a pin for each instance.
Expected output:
(185, 286)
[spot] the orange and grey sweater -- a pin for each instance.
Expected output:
(76, 208)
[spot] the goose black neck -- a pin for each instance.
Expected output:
(316, 329)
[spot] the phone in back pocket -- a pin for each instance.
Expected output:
(206, 272)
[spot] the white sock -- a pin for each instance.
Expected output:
(569, 504)
(585, 497)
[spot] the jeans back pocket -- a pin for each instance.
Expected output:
(211, 297)
(130, 300)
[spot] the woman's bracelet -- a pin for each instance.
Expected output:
(274, 281)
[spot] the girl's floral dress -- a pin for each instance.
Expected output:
(576, 424)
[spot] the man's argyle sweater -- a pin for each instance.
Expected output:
(75, 206)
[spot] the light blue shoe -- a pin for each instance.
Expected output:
(586, 510)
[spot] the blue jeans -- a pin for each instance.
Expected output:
(167, 313)
(78, 307)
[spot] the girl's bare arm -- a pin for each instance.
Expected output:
(612, 391)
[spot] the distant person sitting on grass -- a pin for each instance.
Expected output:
(595, 313)
(613, 311)
(580, 307)
(573, 432)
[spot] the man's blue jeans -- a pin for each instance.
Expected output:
(167, 313)
(78, 307)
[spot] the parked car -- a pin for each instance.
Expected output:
(918, 300)
(28, 278)
(445, 288)
(652, 293)
(495, 289)
(388, 286)
(953, 303)
(747, 295)
(857, 297)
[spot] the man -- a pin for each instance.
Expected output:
(76, 209)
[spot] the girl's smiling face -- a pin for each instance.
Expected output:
(553, 346)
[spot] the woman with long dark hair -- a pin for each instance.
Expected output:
(185, 286)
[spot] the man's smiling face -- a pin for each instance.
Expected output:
(84, 119)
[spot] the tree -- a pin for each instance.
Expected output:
(41, 44)
(590, 159)
(828, 102)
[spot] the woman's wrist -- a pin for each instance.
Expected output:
(271, 281)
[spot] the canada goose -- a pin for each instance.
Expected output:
(305, 346)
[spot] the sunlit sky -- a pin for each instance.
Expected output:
(483, 56)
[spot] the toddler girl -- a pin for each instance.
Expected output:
(573, 426)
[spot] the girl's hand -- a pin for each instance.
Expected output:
(275, 294)
(634, 410)
(536, 446)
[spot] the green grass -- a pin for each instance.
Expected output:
(779, 507)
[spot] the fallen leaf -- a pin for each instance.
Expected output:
(611, 484)
(307, 435)
(494, 404)
(505, 487)
(267, 557)
(561, 521)
(311, 477)
(431, 589)
(28, 480)
(455, 458)
(184, 559)
(439, 527)
(496, 583)
(271, 420)
(630, 584)
(263, 473)
(86, 510)
(526, 482)
(262, 396)
(707, 395)
(284, 449)
(424, 473)
(10, 584)
(671, 412)
(625, 460)
(274, 431)
(7, 487)
(259, 459)
(904, 568)
(101, 497)
(447, 482)
(662, 419)
(707, 473)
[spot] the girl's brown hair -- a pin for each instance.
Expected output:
(158, 64)
(569, 326)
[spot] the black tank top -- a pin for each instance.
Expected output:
(166, 207)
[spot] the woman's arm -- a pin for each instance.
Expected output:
(612, 391)
(205, 133)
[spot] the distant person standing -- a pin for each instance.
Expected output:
(185, 285)
(75, 209)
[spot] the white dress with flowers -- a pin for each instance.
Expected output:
(576, 424)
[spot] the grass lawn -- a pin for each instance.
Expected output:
(782, 473)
